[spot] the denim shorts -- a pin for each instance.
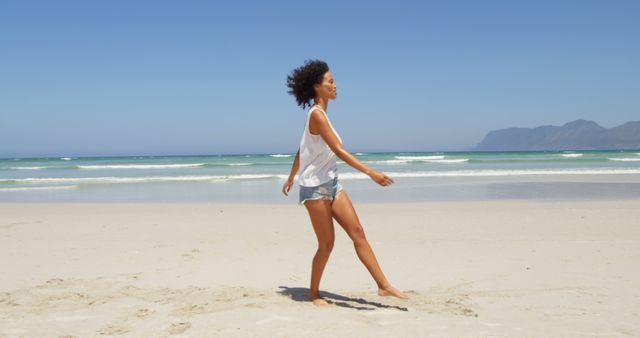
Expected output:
(325, 191)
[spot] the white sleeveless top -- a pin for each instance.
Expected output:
(317, 160)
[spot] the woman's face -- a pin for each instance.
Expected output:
(327, 88)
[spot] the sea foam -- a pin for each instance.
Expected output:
(141, 166)
(624, 159)
(27, 168)
(419, 158)
(480, 173)
(145, 179)
(60, 187)
(427, 159)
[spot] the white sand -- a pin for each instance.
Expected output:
(472, 269)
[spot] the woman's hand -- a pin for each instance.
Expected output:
(287, 186)
(380, 178)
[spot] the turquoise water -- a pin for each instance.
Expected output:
(23, 175)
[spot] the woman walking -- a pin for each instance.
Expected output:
(320, 191)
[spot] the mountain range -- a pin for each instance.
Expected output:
(576, 135)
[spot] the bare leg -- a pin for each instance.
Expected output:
(320, 214)
(345, 214)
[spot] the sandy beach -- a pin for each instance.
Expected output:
(154, 154)
(511, 268)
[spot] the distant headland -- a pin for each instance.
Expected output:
(575, 135)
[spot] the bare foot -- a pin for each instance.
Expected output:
(319, 301)
(391, 291)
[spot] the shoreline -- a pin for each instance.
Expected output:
(404, 190)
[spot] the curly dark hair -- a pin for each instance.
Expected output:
(302, 79)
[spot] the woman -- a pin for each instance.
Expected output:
(320, 191)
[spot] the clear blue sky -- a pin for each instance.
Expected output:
(83, 78)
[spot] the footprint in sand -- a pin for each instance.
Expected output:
(113, 329)
(177, 328)
(191, 254)
(55, 281)
(11, 225)
(140, 313)
(439, 301)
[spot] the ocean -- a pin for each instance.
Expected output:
(418, 176)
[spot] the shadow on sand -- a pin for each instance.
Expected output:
(302, 295)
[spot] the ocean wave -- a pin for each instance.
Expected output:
(361, 153)
(624, 159)
(480, 173)
(144, 179)
(571, 155)
(27, 168)
(347, 176)
(65, 158)
(419, 158)
(141, 166)
(280, 155)
(386, 162)
(60, 187)
(456, 160)
(405, 161)
(239, 163)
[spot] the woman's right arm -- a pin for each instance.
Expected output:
(318, 119)
(295, 166)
